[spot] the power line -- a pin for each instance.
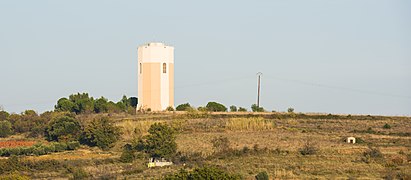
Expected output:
(337, 87)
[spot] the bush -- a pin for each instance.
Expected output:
(203, 173)
(161, 141)
(169, 108)
(101, 133)
(63, 129)
(241, 109)
(183, 107)
(4, 115)
(262, 176)
(256, 108)
(73, 145)
(215, 107)
(128, 155)
(233, 108)
(5, 129)
(308, 149)
(40, 149)
(372, 154)
(14, 176)
(386, 126)
(290, 110)
(221, 144)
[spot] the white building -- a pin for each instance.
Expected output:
(155, 76)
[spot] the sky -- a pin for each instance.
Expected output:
(327, 56)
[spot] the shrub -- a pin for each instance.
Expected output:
(290, 110)
(256, 108)
(4, 115)
(386, 126)
(161, 141)
(203, 173)
(73, 145)
(233, 108)
(127, 155)
(308, 149)
(372, 154)
(221, 144)
(101, 133)
(262, 176)
(215, 107)
(241, 109)
(78, 173)
(183, 107)
(5, 129)
(14, 176)
(63, 129)
(169, 108)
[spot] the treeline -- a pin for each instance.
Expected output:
(218, 107)
(82, 103)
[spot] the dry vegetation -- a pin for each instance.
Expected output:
(273, 142)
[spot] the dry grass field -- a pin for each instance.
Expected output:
(268, 142)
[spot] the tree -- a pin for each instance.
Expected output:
(256, 108)
(63, 128)
(233, 108)
(133, 101)
(101, 133)
(215, 107)
(4, 115)
(183, 107)
(290, 110)
(5, 129)
(100, 105)
(83, 103)
(161, 141)
(63, 104)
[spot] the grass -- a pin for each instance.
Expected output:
(249, 124)
(282, 134)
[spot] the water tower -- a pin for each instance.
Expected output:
(155, 76)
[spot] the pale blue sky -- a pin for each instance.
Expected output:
(345, 56)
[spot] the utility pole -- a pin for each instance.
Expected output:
(259, 82)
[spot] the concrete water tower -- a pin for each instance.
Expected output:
(155, 76)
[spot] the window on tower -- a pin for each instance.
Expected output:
(164, 68)
(141, 68)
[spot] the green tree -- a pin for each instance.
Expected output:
(133, 101)
(63, 129)
(101, 133)
(290, 110)
(63, 104)
(233, 108)
(161, 141)
(100, 105)
(256, 108)
(183, 107)
(215, 107)
(5, 129)
(83, 103)
(4, 115)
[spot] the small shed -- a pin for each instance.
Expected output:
(351, 140)
(158, 162)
